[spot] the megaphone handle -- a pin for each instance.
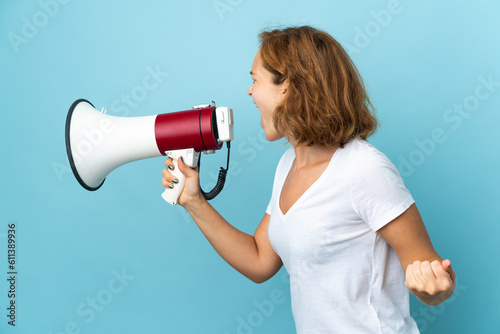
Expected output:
(190, 158)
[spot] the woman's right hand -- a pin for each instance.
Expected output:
(191, 194)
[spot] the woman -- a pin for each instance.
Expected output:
(340, 218)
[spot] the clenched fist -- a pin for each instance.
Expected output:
(431, 282)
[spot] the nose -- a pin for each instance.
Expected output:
(249, 91)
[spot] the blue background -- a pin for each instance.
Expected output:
(418, 60)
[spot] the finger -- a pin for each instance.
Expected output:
(169, 163)
(427, 272)
(185, 169)
(417, 272)
(413, 282)
(166, 174)
(440, 273)
(169, 178)
(410, 278)
(446, 264)
(167, 184)
(444, 279)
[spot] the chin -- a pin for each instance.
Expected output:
(272, 136)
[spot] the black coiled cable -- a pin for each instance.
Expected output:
(221, 179)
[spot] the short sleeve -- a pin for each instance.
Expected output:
(378, 194)
(268, 210)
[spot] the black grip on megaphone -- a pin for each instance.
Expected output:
(221, 179)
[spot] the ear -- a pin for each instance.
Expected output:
(284, 87)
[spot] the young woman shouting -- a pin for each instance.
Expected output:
(340, 218)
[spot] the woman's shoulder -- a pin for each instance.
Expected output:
(363, 157)
(360, 148)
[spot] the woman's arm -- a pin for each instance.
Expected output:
(252, 256)
(428, 277)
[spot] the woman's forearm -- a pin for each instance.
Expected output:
(237, 248)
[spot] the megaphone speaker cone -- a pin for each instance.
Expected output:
(97, 143)
(69, 149)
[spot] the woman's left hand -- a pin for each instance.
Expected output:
(431, 282)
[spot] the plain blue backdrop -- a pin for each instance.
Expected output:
(121, 260)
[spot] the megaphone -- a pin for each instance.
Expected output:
(97, 143)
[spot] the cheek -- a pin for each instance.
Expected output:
(257, 93)
(266, 99)
(263, 98)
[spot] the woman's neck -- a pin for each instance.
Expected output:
(307, 156)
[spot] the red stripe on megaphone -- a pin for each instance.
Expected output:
(193, 128)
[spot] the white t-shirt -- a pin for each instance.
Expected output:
(344, 278)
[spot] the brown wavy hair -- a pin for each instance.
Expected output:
(326, 102)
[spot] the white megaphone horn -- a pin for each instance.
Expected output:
(98, 143)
